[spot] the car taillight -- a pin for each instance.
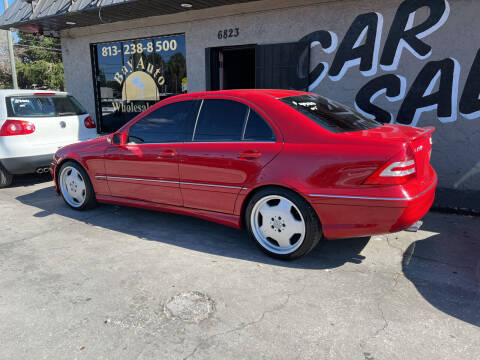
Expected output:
(396, 171)
(16, 127)
(89, 123)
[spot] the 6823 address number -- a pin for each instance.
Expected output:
(228, 33)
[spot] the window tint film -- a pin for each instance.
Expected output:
(43, 106)
(257, 129)
(330, 114)
(164, 125)
(220, 120)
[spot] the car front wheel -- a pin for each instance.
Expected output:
(282, 223)
(75, 186)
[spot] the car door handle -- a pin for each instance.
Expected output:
(167, 154)
(249, 155)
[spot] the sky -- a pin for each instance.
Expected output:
(1, 5)
(15, 37)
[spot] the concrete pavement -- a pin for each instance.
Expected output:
(124, 283)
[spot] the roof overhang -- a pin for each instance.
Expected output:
(51, 16)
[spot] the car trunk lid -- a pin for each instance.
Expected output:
(418, 139)
(421, 144)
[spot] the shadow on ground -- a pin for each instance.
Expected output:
(445, 268)
(191, 233)
(30, 179)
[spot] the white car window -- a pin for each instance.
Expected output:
(43, 106)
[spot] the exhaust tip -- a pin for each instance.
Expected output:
(42, 170)
(415, 227)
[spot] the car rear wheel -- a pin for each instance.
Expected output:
(75, 186)
(282, 223)
(5, 177)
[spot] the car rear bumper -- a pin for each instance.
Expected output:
(373, 216)
(26, 164)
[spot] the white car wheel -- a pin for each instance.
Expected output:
(75, 186)
(277, 224)
(282, 223)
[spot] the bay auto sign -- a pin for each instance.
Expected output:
(436, 86)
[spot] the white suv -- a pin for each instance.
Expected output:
(34, 125)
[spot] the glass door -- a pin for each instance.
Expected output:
(132, 75)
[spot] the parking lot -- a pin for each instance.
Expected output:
(119, 282)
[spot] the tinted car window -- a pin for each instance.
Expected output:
(329, 114)
(257, 129)
(43, 106)
(166, 124)
(220, 120)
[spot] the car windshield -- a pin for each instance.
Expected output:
(330, 114)
(43, 106)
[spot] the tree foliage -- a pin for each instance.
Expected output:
(176, 71)
(5, 80)
(39, 65)
(40, 73)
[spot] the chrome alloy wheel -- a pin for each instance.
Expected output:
(72, 185)
(277, 224)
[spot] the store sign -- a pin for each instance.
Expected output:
(435, 88)
(133, 75)
(139, 83)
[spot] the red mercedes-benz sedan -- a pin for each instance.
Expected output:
(293, 167)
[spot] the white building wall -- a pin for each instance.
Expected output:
(456, 154)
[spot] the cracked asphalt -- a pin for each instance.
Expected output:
(124, 283)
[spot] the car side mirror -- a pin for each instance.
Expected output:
(119, 139)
